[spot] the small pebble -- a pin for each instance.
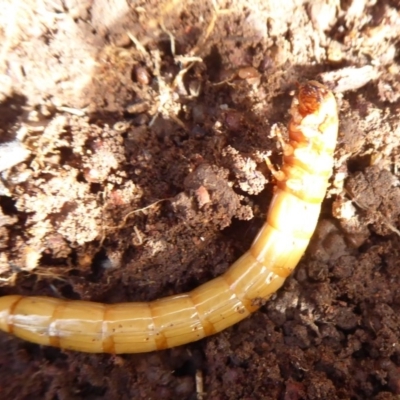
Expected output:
(248, 72)
(137, 108)
(233, 121)
(198, 132)
(12, 153)
(141, 119)
(141, 75)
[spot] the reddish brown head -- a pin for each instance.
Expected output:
(311, 94)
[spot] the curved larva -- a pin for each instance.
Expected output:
(220, 303)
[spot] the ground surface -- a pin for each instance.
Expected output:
(112, 107)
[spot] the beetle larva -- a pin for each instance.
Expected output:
(220, 303)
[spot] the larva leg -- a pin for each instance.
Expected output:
(277, 174)
(286, 149)
(220, 303)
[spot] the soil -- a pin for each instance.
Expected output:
(132, 145)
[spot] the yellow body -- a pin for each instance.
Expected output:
(220, 303)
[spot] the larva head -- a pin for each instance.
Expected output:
(314, 116)
(311, 96)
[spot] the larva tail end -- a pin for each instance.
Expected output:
(7, 304)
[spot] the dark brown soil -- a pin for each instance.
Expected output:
(132, 146)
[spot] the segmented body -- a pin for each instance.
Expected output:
(220, 303)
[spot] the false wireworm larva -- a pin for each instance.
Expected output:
(220, 303)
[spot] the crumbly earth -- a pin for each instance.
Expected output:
(136, 170)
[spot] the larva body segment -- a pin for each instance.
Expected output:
(220, 303)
